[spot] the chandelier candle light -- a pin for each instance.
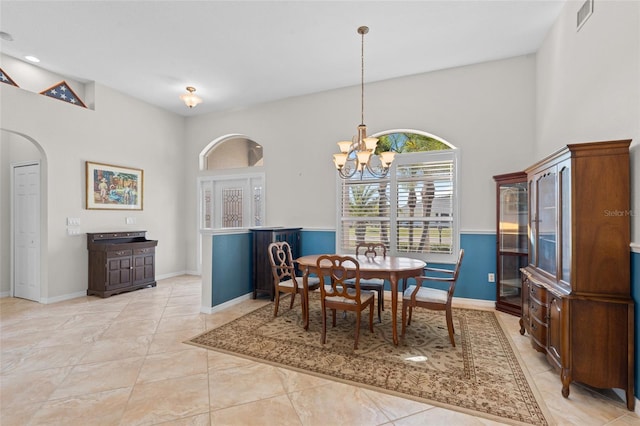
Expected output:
(359, 153)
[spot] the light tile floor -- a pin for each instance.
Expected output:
(121, 361)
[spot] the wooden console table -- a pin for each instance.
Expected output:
(119, 262)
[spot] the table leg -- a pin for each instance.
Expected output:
(305, 298)
(393, 279)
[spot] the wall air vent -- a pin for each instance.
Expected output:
(585, 11)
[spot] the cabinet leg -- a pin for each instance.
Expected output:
(631, 400)
(566, 381)
(522, 330)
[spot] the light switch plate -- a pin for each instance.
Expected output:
(130, 220)
(73, 221)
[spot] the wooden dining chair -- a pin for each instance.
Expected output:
(374, 284)
(418, 296)
(285, 279)
(338, 295)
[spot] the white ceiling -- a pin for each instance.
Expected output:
(239, 53)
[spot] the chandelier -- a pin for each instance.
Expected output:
(191, 99)
(358, 154)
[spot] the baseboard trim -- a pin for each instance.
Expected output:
(62, 298)
(225, 305)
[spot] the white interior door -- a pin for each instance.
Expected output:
(26, 231)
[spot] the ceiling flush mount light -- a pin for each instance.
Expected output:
(32, 59)
(359, 153)
(191, 99)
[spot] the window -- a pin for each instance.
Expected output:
(413, 210)
(231, 201)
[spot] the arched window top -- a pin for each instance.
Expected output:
(231, 152)
(405, 140)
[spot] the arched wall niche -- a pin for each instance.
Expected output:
(232, 151)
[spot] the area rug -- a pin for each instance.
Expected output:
(482, 375)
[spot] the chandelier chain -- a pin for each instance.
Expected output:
(362, 77)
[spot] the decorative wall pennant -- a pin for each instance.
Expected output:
(63, 92)
(4, 78)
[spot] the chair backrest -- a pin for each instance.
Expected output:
(339, 269)
(371, 249)
(456, 272)
(281, 261)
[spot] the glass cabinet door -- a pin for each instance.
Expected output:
(565, 221)
(546, 238)
(512, 239)
(513, 218)
(509, 278)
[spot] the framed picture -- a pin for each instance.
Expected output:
(113, 187)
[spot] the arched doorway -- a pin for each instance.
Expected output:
(22, 241)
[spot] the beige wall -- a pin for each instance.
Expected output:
(487, 110)
(588, 84)
(503, 115)
(121, 131)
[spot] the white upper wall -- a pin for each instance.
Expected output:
(121, 131)
(588, 84)
(486, 110)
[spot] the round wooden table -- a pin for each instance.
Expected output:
(390, 268)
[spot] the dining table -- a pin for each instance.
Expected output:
(390, 268)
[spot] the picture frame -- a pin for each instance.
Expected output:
(110, 187)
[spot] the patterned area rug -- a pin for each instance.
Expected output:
(482, 375)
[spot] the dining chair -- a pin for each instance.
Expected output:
(285, 279)
(371, 250)
(337, 269)
(417, 296)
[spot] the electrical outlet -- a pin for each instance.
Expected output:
(491, 278)
(130, 220)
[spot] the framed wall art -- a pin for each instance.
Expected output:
(113, 187)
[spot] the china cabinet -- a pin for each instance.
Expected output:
(262, 237)
(576, 291)
(511, 240)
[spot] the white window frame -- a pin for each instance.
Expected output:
(402, 159)
(250, 205)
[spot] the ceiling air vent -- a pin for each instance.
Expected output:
(583, 14)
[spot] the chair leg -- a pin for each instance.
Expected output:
(450, 326)
(333, 312)
(371, 317)
(305, 310)
(355, 345)
(276, 303)
(323, 335)
(293, 298)
(410, 312)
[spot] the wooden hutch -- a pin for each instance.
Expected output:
(576, 299)
(119, 262)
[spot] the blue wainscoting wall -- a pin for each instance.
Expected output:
(635, 293)
(231, 267)
(232, 264)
